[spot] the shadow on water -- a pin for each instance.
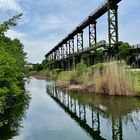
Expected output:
(89, 110)
(12, 117)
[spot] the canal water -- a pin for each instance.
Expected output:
(53, 114)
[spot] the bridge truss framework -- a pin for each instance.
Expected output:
(65, 55)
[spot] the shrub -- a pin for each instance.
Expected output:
(67, 75)
(81, 68)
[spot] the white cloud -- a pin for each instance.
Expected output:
(15, 34)
(35, 48)
(54, 22)
(12, 5)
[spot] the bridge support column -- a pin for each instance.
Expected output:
(92, 34)
(80, 42)
(58, 55)
(71, 52)
(54, 60)
(62, 57)
(66, 57)
(112, 25)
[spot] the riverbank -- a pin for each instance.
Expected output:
(40, 75)
(66, 85)
(113, 78)
(72, 86)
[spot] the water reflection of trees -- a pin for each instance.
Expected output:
(12, 117)
(116, 110)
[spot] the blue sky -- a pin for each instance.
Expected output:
(46, 22)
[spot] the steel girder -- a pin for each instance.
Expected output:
(80, 42)
(92, 34)
(112, 25)
(65, 50)
(71, 46)
(62, 52)
(53, 56)
(71, 53)
(58, 54)
(49, 58)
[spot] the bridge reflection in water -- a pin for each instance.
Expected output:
(88, 111)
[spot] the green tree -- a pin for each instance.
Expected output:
(12, 65)
(125, 52)
(7, 24)
(81, 67)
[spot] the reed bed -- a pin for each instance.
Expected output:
(115, 79)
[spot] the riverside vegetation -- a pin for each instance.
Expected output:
(110, 78)
(13, 71)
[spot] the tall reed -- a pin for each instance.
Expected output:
(115, 79)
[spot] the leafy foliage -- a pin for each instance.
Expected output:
(81, 67)
(37, 67)
(12, 65)
(7, 24)
(125, 52)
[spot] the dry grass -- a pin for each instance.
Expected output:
(63, 83)
(39, 75)
(115, 79)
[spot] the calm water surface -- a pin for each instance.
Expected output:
(53, 114)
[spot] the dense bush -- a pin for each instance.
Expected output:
(80, 75)
(125, 52)
(81, 67)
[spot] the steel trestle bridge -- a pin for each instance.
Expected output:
(68, 52)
